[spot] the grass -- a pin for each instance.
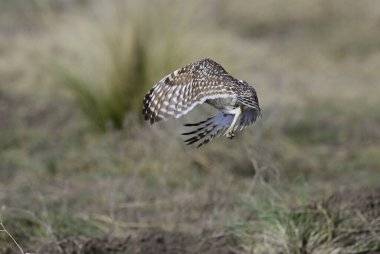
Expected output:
(4, 230)
(128, 65)
(271, 223)
(318, 134)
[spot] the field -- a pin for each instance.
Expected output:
(81, 172)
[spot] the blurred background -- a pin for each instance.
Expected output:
(79, 166)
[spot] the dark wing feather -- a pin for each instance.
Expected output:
(208, 129)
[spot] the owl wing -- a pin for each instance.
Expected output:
(212, 127)
(208, 129)
(179, 92)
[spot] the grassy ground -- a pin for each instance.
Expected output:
(315, 68)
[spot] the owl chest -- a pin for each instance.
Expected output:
(223, 104)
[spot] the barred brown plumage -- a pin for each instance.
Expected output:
(204, 81)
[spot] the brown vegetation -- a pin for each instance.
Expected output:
(63, 65)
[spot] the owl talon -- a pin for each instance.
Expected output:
(230, 134)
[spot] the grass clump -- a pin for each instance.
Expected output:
(6, 232)
(16, 230)
(277, 228)
(127, 56)
(22, 227)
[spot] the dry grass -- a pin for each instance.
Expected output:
(275, 223)
(123, 55)
(317, 85)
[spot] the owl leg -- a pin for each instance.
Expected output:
(230, 131)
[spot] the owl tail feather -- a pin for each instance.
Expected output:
(208, 129)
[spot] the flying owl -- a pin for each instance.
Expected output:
(204, 81)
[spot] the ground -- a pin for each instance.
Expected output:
(80, 172)
(364, 201)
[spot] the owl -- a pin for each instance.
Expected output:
(204, 81)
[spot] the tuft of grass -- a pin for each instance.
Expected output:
(131, 54)
(17, 229)
(276, 227)
(101, 108)
(6, 232)
(26, 227)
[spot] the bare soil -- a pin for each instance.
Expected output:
(365, 201)
(363, 205)
(148, 241)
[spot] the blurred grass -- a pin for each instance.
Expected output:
(27, 227)
(134, 57)
(319, 132)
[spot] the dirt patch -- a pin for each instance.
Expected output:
(146, 242)
(361, 208)
(364, 201)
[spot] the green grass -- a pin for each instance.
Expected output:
(270, 224)
(25, 227)
(133, 57)
(318, 135)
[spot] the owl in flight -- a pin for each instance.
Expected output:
(204, 81)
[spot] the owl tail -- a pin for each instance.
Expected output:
(208, 129)
(249, 117)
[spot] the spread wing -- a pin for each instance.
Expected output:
(212, 127)
(179, 92)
